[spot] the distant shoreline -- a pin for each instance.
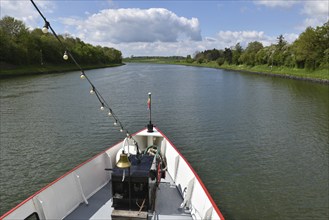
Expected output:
(50, 69)
(259, 70)
(270, 74)
(286, 76)
(47, 69)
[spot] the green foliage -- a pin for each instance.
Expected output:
(189, 59)
(19, 46)
(220, 61)
(236, 53)
(249, 55)
(311, 46)
(309, 51)
(12, 27)
(228, 55)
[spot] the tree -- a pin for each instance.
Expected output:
(263, 56)
(228, 55)
(310, 48)
(220, 61)
(199, 57)
(11, 26)
(304, 48)
(281, 42)
(13, 36)
(279, 51)
(236, 53)
(189, 59)
(19, 46)
(249, 55)
(322, 45)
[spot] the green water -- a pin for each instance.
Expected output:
(259, 144)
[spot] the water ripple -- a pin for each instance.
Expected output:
(260, 144)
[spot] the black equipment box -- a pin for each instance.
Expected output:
(139, 174)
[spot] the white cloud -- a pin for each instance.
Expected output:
(319, 8)
(210, 39)
(24, 10)
(317, 13)
(179, 48)
(136, 25)
(276, 3)
(182, 47)
(231, 38)
(154, 31)
(290, 37)
(185, 47)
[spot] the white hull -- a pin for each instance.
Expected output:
(70, 193)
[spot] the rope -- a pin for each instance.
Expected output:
(141, 207)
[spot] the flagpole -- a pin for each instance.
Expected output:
(150, 125)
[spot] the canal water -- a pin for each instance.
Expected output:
(260, 144)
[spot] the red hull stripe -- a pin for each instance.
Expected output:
(77, 167)
(52, 183)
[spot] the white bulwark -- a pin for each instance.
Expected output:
(86, 192)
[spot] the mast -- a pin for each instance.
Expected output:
(149, 106)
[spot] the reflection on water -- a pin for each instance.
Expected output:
(260, 144)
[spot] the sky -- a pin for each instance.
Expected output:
(169, 27)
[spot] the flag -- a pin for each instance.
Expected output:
(149, 103)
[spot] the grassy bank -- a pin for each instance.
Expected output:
(285, 72)
(321, 75)
(45, 69)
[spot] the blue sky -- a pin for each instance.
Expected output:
(168, 27)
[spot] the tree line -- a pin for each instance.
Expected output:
(310, 51)
(21, 46)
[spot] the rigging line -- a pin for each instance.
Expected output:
(100, 98)
(105, 104)
(39, 12)
(98, 95)
(54, 33)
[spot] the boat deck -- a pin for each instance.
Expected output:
(99, 206)
(167, 204)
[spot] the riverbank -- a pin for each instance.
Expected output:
(46, 69)
(318, 76)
